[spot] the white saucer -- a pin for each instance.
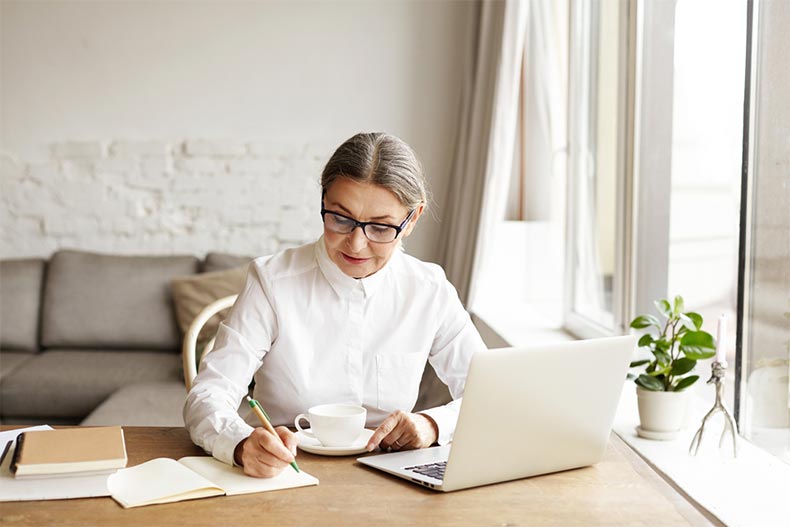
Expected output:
(312, 445)
(660, 436)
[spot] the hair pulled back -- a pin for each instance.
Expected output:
(380, 159)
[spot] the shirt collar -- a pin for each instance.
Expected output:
(344, 284)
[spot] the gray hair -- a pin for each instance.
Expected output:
(383, 160)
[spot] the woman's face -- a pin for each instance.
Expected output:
(353, 253)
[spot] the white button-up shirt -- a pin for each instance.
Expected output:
(309, 334)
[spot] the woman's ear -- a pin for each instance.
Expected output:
(413, 221)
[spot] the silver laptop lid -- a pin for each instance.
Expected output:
(539, 409)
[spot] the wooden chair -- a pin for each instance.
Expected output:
(189, 349)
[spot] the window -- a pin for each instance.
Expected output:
(520, 290)
(597, 152)
(680, 189)
(706, 149)
(763, 412)
(654, 201)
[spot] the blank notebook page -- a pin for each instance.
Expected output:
(233, 480)
(161, 480)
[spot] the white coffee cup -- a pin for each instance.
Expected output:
(333, 424)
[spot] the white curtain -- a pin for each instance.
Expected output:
(484, 148)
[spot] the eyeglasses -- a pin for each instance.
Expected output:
(375, 232)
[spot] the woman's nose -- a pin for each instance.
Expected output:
(357, 240)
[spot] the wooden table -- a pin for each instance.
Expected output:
(621, 490)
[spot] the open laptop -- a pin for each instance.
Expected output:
(525, 411)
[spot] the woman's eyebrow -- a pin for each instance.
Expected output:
(348, 213)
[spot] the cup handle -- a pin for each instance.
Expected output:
(299, 427)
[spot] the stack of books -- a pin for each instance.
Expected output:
(69, 452)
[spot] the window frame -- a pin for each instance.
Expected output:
(581, 119)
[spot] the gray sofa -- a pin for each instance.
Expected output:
(89, 338)
(92, 339)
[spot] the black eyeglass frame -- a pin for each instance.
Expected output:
(364, 224)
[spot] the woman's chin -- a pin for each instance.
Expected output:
(357, 270)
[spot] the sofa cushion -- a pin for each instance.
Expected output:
(20, 302)
(11, 360)
(71, 383)
(192, 293)
(142, 404)
(108, 301)
(220, 261)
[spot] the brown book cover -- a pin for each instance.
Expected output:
(69, 451)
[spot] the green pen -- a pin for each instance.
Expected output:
(261, 413)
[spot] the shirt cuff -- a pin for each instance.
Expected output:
(226, 442)
(445, 419)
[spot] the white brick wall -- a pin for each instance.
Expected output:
(162, 197)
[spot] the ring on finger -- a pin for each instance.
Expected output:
(396, 444)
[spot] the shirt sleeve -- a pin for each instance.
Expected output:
(211, 408)
(455, 342)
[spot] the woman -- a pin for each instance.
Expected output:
(349, 318)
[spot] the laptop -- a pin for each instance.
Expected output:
(526, 411)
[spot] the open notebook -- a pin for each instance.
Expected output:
(165, 480)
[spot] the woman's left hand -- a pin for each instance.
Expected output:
(404, 431)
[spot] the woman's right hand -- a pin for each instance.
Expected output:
(262, 455)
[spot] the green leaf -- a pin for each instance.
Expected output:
(687, 322)
(638, 363)
(662, 345)
(644, 321)
(662, 371)
(662, 357)
(663, 307)
(650, 383)
(693, 354)
(646, 339)
(701, 339)
(697, 345)
(630, 377)
(678, 308)
(696, 318)
(685, 383)
(682, 366)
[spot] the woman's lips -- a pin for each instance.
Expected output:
(354, 261)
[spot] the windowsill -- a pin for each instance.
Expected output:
(517, 325)
(750, 489)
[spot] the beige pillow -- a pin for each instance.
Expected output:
(193, 293)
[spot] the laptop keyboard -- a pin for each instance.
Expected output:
(434, 470)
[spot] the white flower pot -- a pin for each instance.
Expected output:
(661, 414)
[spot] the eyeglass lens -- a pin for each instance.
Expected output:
(374, 232)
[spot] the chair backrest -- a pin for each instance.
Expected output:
(189, 348)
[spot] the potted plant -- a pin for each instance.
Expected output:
(677, 342)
